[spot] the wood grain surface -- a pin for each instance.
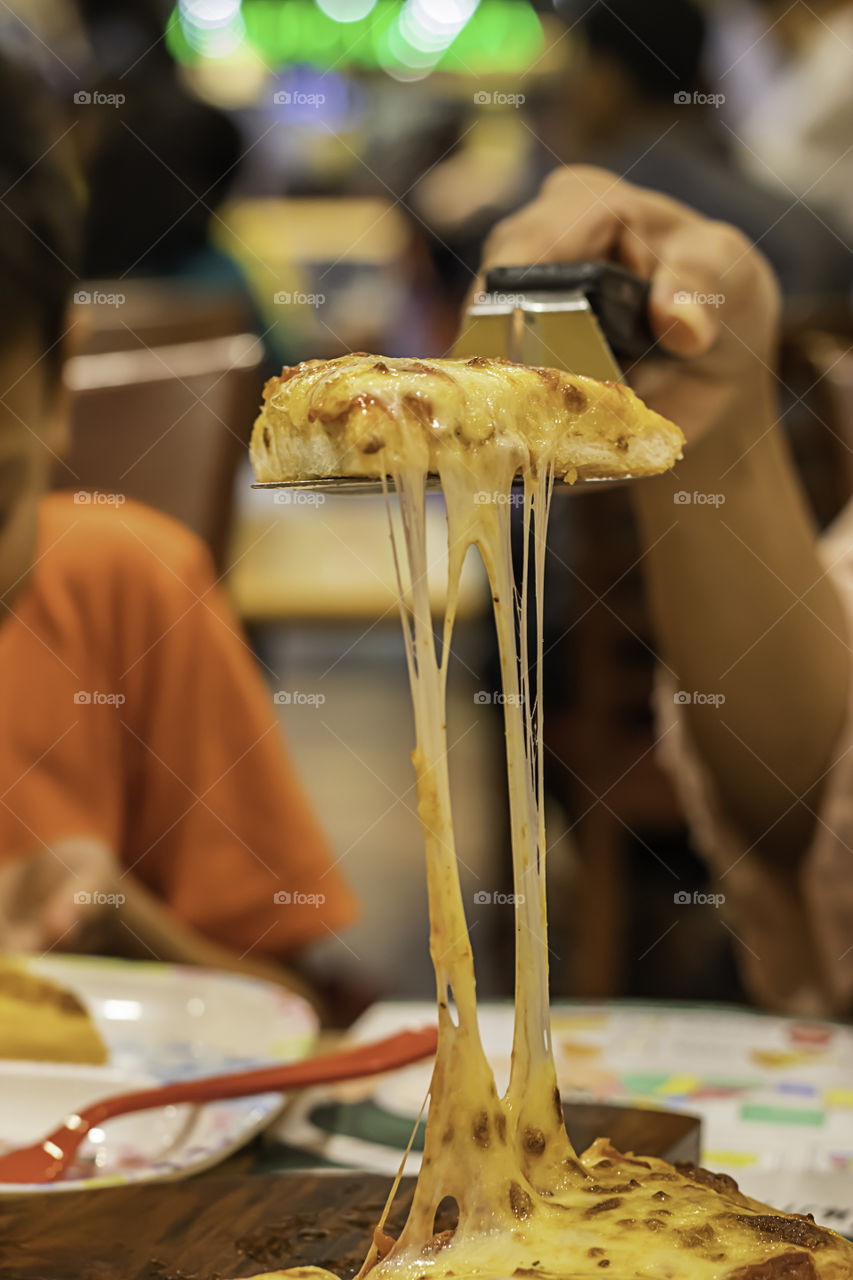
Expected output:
(217, 1227)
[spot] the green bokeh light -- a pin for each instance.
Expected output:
(501, 36)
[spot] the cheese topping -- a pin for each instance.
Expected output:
(360, 415)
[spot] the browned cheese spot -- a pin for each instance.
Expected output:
(519, 1201)
(660, 1195)
(558, 1105)
(439, 1241)
(500, 1125)
(435, 371)
(696, 1237)
(534, 1140)
(371, 444)
(603, 1206)
(420, 408)
(605, 1262)
(480, 1129)
(782, 1266)
(573, 398)
(621, 444)
(615, 1189)
(595, 1253)
(717, 1181)
(793, 1229)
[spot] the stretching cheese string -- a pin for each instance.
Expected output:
(494, 1156)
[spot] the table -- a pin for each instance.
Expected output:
(775, 1095)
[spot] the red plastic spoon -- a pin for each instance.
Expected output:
(46, 1160)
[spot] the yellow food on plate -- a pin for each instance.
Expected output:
(43, 1022)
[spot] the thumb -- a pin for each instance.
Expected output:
(682, 323)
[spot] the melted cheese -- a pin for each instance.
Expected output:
(360, 415)
(528, 1204)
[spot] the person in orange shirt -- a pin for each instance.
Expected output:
(147, 802)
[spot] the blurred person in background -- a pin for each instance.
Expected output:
(139, 752)
(799, 132)
(751, 607)
(635, 101)
(155, 170)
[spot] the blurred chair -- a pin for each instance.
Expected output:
(329, 275)
(117, 315)
(165, 425)
(602, 760)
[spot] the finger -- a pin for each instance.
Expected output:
(680, 316)
(690, 286)
(587, 214)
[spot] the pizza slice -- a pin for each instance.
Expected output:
(363, 415)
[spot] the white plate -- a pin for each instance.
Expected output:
(160, 1023)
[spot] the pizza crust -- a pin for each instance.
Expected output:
(363, 415)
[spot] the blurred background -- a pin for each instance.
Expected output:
(271, 180)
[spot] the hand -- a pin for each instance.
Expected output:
(714, 300)
(52, 897)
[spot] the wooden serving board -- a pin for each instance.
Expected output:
(218, 1227)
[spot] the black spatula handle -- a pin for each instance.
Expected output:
(619, 298)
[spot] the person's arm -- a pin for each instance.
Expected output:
(744, 610)
(740, 600)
